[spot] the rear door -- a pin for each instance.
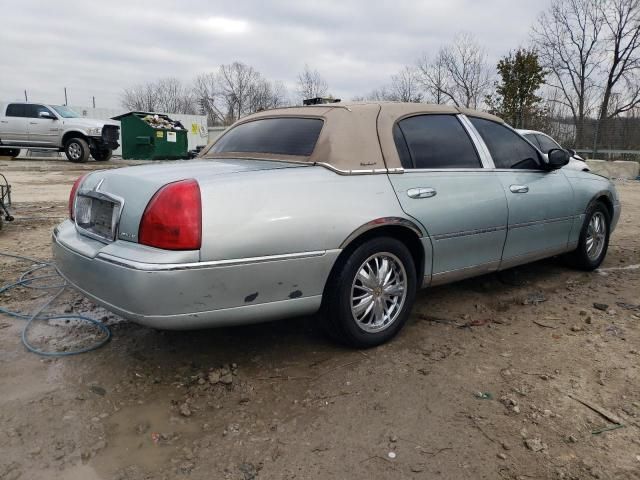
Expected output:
(540, 201)
(43, 132)
(444, 186)
(14, 129)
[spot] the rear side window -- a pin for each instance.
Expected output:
(16, 110)
(281, 136)
(546, 143)
(507, 148)
(435, 141)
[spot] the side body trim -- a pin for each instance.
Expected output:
(155, 267)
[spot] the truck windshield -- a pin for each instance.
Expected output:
(65, 112)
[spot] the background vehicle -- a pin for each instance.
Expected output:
(343, 208)
(545, 143)
(55, 127)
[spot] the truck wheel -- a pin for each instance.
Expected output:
(369, 296)
(10, 152)
(594, 239)
(101, 155)
(77, 150)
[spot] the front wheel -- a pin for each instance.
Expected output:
(101, 155)
(77, 150)
(594, 239)
(370, 294)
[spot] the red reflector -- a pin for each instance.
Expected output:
(173, 218)
(72, 195)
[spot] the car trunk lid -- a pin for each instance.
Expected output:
(110, 203)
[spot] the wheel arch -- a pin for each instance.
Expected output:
(604, 197)
(73, 134)
(399, 228)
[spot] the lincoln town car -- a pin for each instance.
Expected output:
(341, 209)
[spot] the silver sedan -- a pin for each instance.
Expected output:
(346, 209)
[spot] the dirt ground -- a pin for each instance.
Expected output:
(484, 382)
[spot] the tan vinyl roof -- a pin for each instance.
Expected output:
(356, 136)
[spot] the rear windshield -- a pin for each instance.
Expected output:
(280, 136)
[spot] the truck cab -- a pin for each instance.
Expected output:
(55, 127)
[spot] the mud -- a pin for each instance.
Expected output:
(477, 385)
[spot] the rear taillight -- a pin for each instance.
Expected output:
(173, 218)
(72, 195)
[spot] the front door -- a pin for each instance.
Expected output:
(539, 201)
(43, 132)
(444, 186)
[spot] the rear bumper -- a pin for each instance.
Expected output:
(195, 294)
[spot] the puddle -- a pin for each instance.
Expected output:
(144, 435)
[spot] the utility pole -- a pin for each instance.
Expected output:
(25, 96)
(66, 103)
(94, 101)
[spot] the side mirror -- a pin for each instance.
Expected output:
(558, 158)
(572, 152)
(47, 115)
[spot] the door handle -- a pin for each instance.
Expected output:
(519, 188)
(421, 192)
(4, 121)
(33, 123)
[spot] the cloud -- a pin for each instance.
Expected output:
(100, 49)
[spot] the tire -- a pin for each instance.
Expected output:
(9, 152)
(363, 329)
(592, 249)
(102, 155)
(77, 150)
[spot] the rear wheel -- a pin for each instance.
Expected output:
(370, 294)
(9, 152)
(101, 155)
(77, 150)
(594, 239)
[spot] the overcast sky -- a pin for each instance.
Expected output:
(99, 48)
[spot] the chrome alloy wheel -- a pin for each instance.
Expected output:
(596, 235)
(75, 151)
(378, 292)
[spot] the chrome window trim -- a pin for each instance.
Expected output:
(476, 138)
(162, 267)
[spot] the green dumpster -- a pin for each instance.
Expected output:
(152, 136)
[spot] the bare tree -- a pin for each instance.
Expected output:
(434, 79)
(166, 95)
(311, 84)
(236, 90)
(459, 74)
(567, 39)
(622, 46)
(405, 86)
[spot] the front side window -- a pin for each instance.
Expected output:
(506, 147)
(279, 136)
(33, 111)
(16, 110)
(546, 143)
(435, 141)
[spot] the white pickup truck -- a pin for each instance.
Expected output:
(55, 127)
